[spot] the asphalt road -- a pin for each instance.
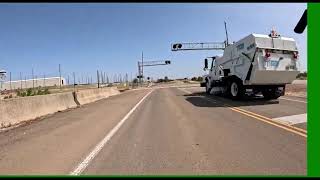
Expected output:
(161, 131)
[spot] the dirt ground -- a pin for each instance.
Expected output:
(296, 89)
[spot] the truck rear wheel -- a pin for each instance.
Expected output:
(270, 94)
(235, 89)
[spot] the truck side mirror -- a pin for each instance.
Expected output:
(205, 63)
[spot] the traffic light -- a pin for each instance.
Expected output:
(168, 62)
(177, 46)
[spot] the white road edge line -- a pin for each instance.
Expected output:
(83, 165)
(292, 100)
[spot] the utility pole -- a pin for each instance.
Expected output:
(60, 76)
(10, 80)
(101, 76)
(225, 26)
(74, 82)
(82, 79)
(36, 81)
(98, 78)
(44, 80)
(32, 79)
(20, 81)
(142, 67)
(126, 77)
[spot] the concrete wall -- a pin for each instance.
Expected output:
(16, 110)
(43, 82)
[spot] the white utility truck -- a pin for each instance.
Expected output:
(255, 64)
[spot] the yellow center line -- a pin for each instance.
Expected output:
(292, 129)
(269, 122)
(269, 119)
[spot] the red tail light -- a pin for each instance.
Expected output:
(295, 55)
(267, 54)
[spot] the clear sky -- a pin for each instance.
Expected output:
(84, 38)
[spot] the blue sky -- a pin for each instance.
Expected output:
(84, 38)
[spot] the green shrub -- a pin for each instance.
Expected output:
(19, 93)
(32, 92)
(46, 91)
(29, 92)
(302, 76)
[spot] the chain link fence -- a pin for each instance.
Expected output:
(35, 83)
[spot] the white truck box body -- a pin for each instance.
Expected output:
(280, 68)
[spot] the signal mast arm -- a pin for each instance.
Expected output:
(198, 46)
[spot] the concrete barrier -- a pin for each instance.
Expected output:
(13, 111)
(16, 110)
(297, 81)
(91, 95)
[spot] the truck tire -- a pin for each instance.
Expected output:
(269, 94)
(208, 88)
(235, 89)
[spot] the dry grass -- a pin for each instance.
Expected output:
(296, 89)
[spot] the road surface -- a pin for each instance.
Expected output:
(177, 130)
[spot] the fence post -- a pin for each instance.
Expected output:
(98, 78)
(74, 82)
(10, 81)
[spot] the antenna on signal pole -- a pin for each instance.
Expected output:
(225, 27)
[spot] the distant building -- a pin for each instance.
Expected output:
(29, 83)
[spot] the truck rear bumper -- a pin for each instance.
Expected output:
(261, 77)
